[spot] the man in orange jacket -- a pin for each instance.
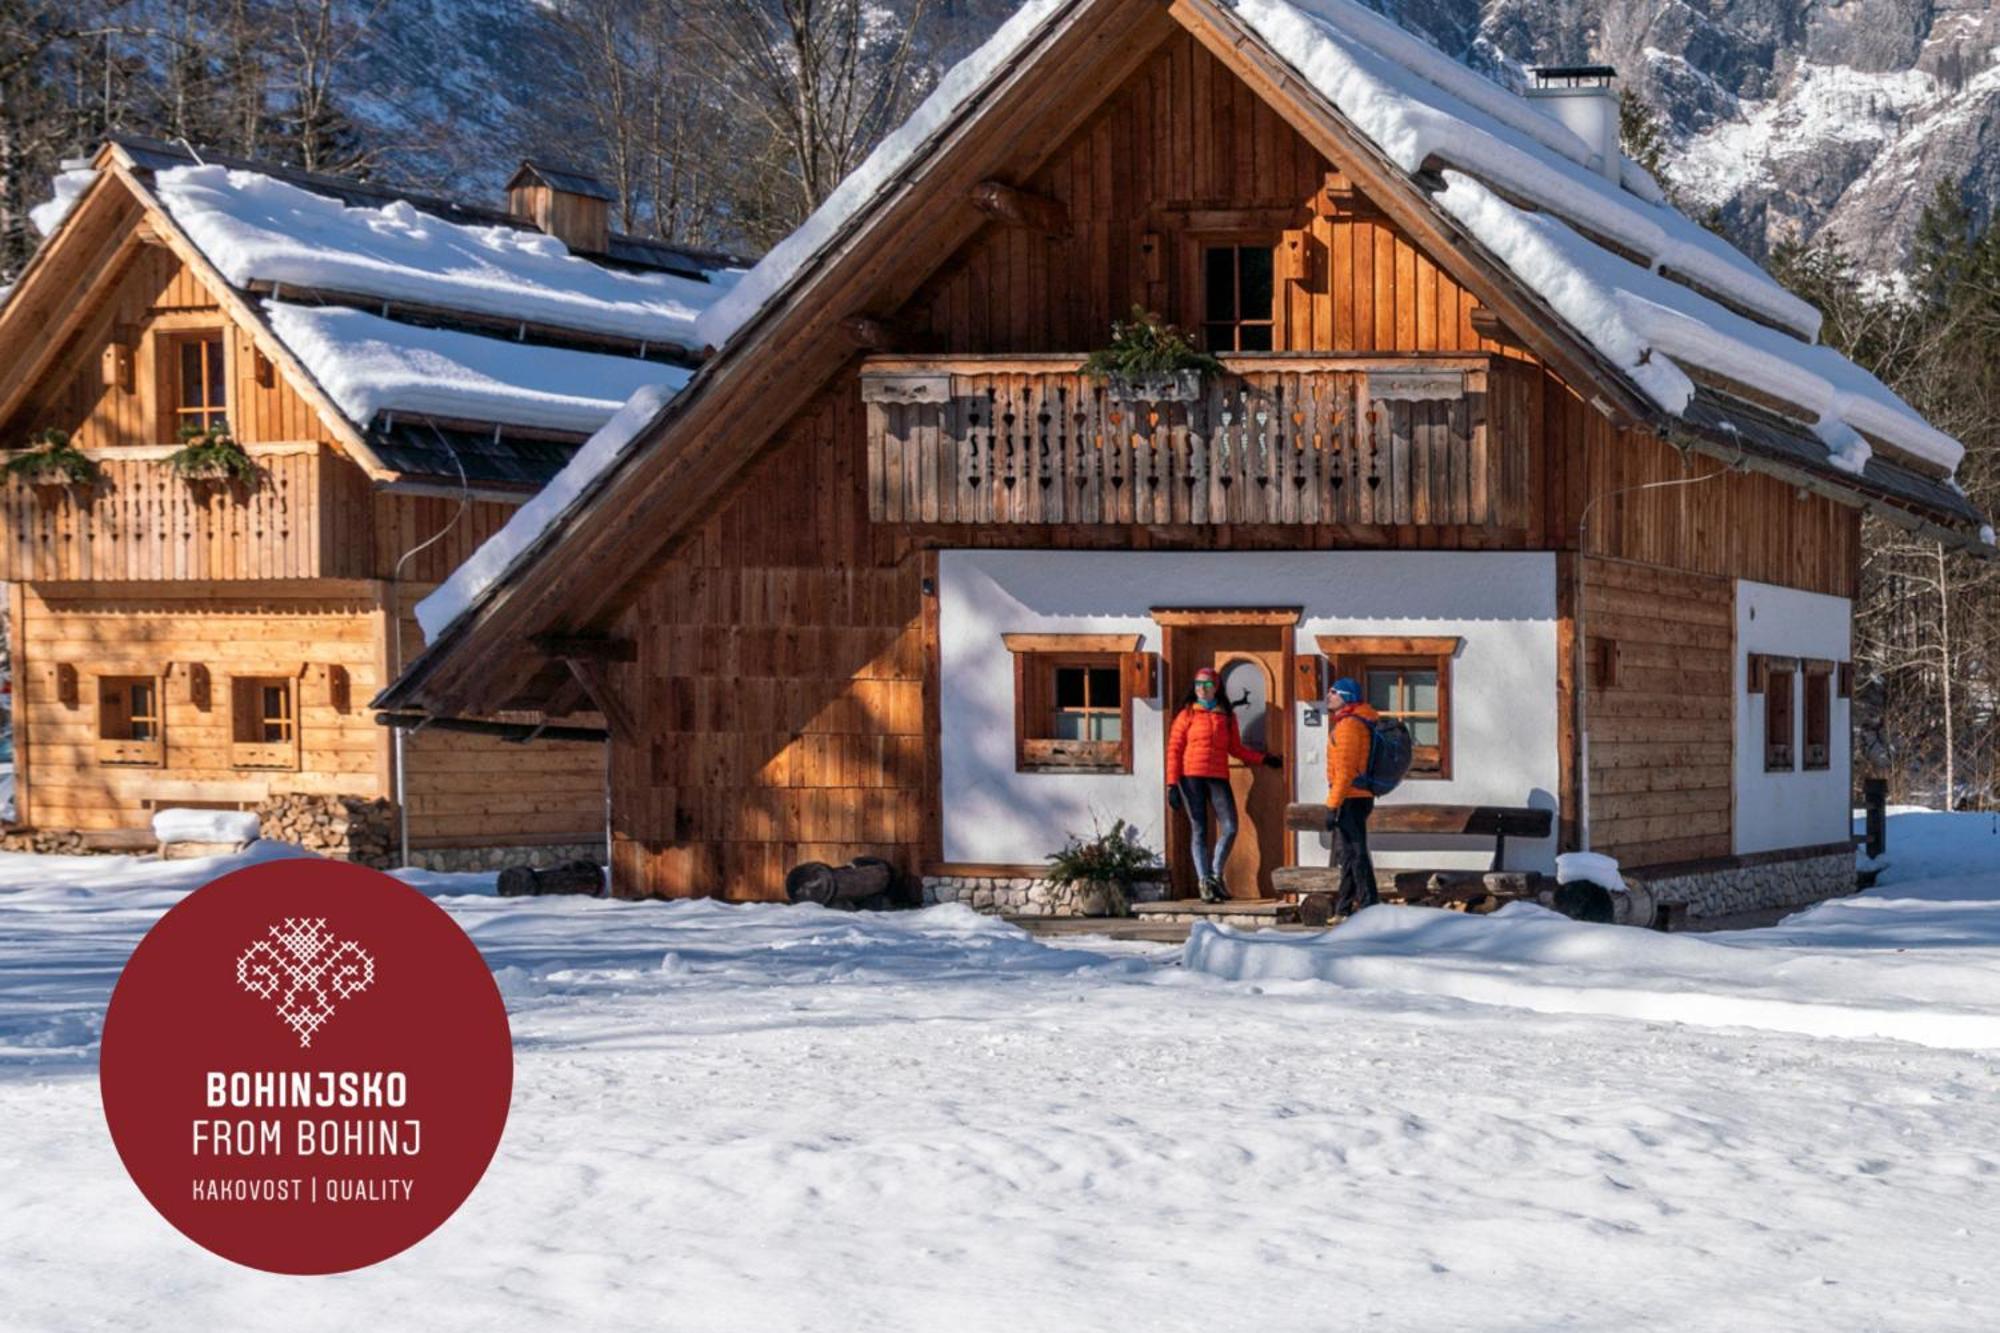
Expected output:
(1349, 737)
(1203, 739)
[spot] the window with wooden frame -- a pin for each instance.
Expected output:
(1779, 714)
(197, 383)
(1816, 700)
(1238, 296)
(1073, 702)
(130, 725)
(1407, 678)
(264, 730)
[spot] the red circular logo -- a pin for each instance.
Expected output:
(306, 1066)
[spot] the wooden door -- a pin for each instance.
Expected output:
(1250, 660)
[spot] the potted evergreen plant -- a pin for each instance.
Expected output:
(51, 463)
(1151, 361)
(211, 454)
(1101, 869)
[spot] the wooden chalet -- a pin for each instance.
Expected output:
(400, 373)
(1563, 478)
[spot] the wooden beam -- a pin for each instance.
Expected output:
(1227, 615)
(1018, 208)
(593, 647)
(597, 683)
(871, 334)
(1072, 643)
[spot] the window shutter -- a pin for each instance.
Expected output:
(1142, 671)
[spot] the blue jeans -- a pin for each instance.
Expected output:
(1198, 797)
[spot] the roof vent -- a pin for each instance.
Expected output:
(572, 206)
(1583, 99)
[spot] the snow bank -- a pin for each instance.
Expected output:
(720, 321)
(1527, 957)
(69, 187)
(171, 826)
(505, 548)
(256, 229)
(371, 365)
(1416, 103)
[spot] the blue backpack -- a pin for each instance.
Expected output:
(1390, 750)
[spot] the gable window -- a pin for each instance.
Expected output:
(1816, 696)
(1778, 714)
(1237, 297)
(200, 384)
(129, 723)
(1072, 707)
(264, 722)
(1406, 678)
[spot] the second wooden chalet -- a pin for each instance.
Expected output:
(1563, 478)
(372, 382)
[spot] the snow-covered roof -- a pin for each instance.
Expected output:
(258, 229)
(372, 365)
(1418, 105)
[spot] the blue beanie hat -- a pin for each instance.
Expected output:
(1348, 688)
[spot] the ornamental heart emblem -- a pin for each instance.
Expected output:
(305, 969)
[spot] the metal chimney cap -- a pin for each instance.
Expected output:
(1573, 76)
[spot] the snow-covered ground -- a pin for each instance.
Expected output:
(782, 1118)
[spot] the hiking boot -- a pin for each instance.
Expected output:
(1208, 888)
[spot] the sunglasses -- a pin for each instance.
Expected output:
(1204, 684)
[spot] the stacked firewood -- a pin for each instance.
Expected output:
(46, 842)
(347, 828)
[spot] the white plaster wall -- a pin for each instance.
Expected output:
(1503, 682)
(1799, 808)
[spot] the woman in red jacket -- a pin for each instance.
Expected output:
(1198, 752)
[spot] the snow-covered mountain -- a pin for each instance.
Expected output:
(1790, 117)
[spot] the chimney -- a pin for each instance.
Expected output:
(571, 206)
(1581, 97)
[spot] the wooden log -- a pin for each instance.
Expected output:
(1019, 208)
(585, 877)
(817, 882)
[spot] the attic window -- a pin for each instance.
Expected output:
(200, 383)
(1237, 297)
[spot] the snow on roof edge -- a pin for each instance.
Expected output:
(499, 555)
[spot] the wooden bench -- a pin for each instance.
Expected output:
(1315, 887)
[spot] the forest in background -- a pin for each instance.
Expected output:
(722, 123)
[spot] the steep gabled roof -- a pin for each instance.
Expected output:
(400, 310)
(1492, 189)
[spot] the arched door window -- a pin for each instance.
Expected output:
(1245, 685)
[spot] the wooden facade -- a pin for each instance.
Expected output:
(785, 698)
(292, 576)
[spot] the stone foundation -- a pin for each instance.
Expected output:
(1757, 886)
(1028, 895)
(505, 858)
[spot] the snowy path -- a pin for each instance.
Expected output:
(774, 1118)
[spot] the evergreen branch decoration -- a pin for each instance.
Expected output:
(51, 460)
(1146, 345)
(211, 454)
(1114, 856)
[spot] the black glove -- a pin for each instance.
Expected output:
(1273, 761)
(1174, 797)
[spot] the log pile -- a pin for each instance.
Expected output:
(346, 828)
(46, 842)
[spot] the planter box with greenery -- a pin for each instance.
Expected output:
(211, 455)
(1151, 361)
(1100, 871)
(51, 462)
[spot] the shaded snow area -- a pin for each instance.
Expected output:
(768, 1117)
(257, 229)
(67, 187)
(525, 526)
(372, 365)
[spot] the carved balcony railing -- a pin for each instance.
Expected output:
(1279, 439)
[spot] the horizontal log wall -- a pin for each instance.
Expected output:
(1661, 736)
(341, 751)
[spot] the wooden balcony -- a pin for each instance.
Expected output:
(306, 516)
(1279, 439)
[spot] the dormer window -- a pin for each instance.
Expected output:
(199, 384)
